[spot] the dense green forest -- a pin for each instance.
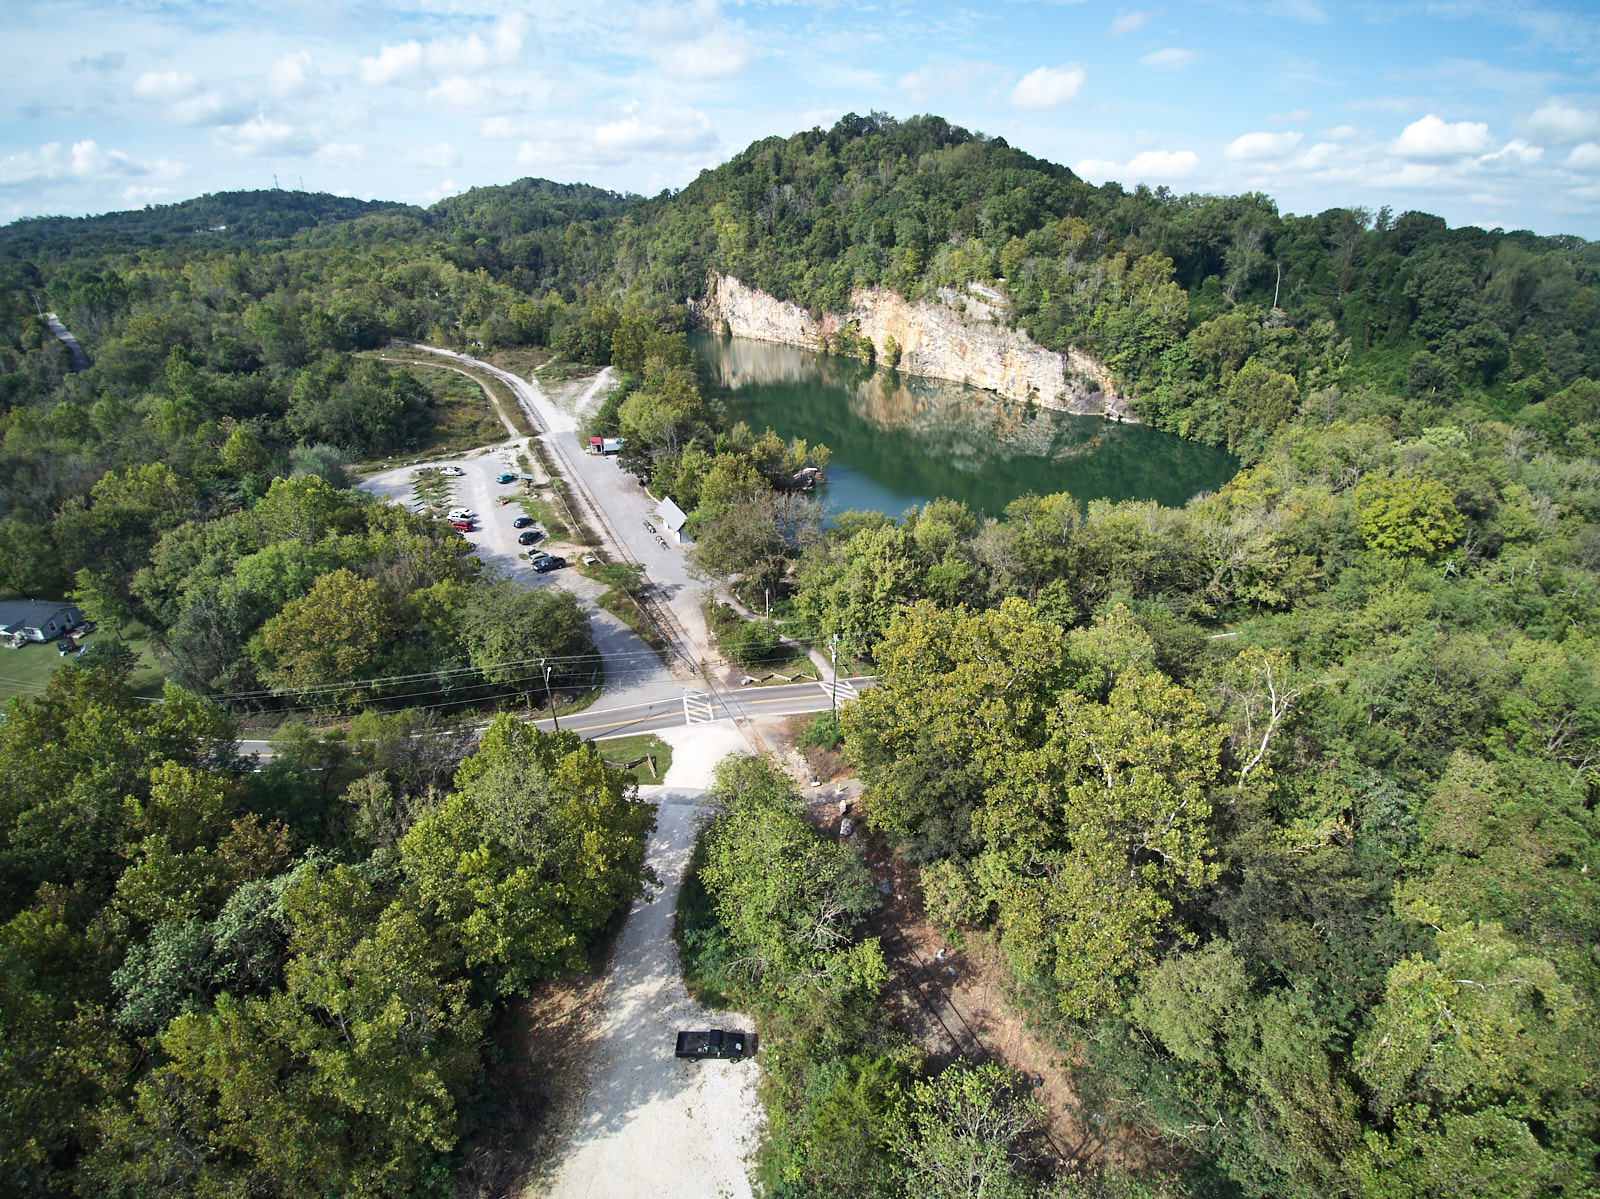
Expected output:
(1281, 804)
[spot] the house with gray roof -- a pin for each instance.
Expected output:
(37, 620)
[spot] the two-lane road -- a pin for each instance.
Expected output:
(692, 707)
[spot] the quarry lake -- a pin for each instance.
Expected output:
(900, 440)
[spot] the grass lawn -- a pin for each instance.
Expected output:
(626, 609)
(619, 751)
(25, 671)
(463, 416)
(519, 361)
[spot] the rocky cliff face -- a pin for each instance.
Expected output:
(961, 337)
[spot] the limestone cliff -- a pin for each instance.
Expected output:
(961, 337)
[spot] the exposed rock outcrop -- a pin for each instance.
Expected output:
(961, 338)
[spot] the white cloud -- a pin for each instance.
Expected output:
(165, 87)
(506, 127)
(1170, 59)
(137, 194)
(1294, 116)
(293, 75)
(1585, 158)
(1048, 87)
(636, 130)
(52, 161)
(460, 95)
(186, 99)
(439, 157)
(391, 64)
(434, 194)
(1162, 164)
(937, 79)
(1095, 169)
(1341, 133)
(694, 41)
(258, 138)
(448, 56)
(1255, 147)
(472, 53)
(1515, 153)
(1143, 166)
(1433, 140)
(1554, 121)
(341, 154)
(1127, 22)
(677, 131)
(208, 108)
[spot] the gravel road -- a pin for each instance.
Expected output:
(651, 1126)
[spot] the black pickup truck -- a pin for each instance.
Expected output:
(716, 1043)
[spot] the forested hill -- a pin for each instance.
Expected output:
(1221, 315)
(226, 218)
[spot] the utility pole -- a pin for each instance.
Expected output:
(833, 660)
(547, 694)
(767, 591)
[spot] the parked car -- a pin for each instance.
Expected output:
(461, 514)
(528, 538)
(464, 526)
(549, 564)
(522, 522)
(505, 478)
(455, 472)
(733, 1046)
(537, 557)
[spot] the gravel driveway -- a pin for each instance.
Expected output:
(651, 1126)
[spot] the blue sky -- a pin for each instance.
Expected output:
(1481, 112)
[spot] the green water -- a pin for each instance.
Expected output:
(900, 440)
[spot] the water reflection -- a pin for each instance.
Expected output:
(900, 439)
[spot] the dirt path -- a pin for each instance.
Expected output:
(651, 1126)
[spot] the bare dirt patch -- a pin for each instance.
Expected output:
(960, 1001)
(823, 765)
(546, 1047)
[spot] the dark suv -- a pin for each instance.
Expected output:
(548, 563)
(529, 537)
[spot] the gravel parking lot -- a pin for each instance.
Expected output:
(634, 674)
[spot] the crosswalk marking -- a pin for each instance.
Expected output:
(839, 690)
(698, 708)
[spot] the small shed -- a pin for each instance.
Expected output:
(595, 443)
(673, 518)
(37, 620)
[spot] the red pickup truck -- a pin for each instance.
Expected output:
(464, 526)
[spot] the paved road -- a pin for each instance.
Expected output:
(80, 360)
(619, 501)
(687, 708)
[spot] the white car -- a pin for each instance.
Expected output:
(461, 514)
(455, 472)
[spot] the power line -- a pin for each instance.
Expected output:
(448, 672)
